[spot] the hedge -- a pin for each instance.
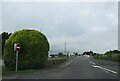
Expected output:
(33, 53)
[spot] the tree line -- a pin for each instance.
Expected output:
(112, 55)
(4, 36)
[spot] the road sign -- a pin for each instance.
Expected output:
(17, 49)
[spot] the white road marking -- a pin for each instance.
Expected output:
(100, 68)
(110, 71)
(104, 69)
(92, 62)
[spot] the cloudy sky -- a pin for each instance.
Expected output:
(83, 25)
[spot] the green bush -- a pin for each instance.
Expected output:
(119, 58)
(60, 55)
(111, 57)
(33, 53)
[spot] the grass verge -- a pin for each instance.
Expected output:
(5, 71)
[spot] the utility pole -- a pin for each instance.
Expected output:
(65, 48)
(41, 29)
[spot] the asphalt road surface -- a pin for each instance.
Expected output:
(80, 68)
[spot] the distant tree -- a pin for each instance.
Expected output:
(76, 54)
(5, 36)
(91, 52)
(88, 53)
(79, 54)
(94, 54)
(53, 56)
(111, 52)
(56, 54)
(84, 53)
(60, 54)
(116, 51)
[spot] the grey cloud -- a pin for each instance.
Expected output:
(84, 26)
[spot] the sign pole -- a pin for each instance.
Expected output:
(16, 60)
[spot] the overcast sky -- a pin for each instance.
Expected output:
(83, 26)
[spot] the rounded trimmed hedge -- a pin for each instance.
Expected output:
(33, 53)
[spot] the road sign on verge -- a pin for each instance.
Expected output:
(17, 49)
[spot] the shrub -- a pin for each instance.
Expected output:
(115, 57)
(60, 55)
(33, 53)
(53, 56)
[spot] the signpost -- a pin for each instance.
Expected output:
(17, 49)
(16, 60)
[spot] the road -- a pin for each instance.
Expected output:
(80, 68)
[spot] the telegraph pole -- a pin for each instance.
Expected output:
(65, 48)
(41, 29)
